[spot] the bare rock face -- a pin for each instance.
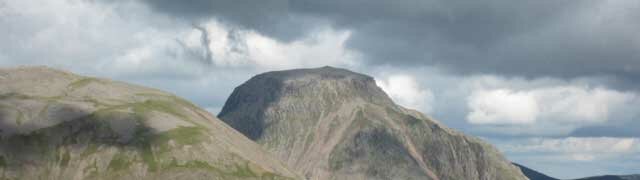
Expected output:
(330, 123)
(57, 125)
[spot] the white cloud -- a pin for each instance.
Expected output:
(581, 104)
(558, 103)
(161, 56)
(105, 39)
(502, 106)
(577, 149)
(91, 37)
(406, 91)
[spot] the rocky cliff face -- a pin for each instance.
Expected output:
(57, 125)
(330, 123)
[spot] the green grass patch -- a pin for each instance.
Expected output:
(119, 162)
(149, 158)
(158, 105)
(3, 162)
(14, 95)
(234, 171)
(182, 135)
(170, 97)
(153, 145)
(195, 164)
(243, 171)
(66, 157)
(82, 82)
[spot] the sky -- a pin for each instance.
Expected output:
(554, 84)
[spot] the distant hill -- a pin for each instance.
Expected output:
(613, 177)
(58, 125)
(535, 175)
(532, 174)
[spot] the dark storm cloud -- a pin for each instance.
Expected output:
(523, 38)
(270, 17)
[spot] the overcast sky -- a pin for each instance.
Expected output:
(554, 84)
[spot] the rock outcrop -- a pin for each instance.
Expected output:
(330, 123)
(58, 125)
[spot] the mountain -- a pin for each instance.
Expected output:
(58, 125)
(613, 177)
(535, 175)
(330, 123)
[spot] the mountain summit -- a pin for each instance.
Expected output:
(331, 123)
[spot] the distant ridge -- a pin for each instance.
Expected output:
(613, 177)
(535, 175)
(532, 174)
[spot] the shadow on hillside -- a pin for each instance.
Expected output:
(247, 103)
(80, 135)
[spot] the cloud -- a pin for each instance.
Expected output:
(614, 129)
(558, 103)
(502, 106)
(511, 38)
(272, 18)
(231, 47)
(406, 91)
(578, 149)
(556, 111)
(82, 36)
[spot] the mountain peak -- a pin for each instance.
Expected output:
(322, 73)
(332, 123)
(311, 89)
